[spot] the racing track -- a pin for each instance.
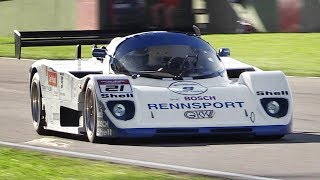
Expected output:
(294, 157)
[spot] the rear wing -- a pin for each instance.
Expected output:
(78, 37)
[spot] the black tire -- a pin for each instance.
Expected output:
(90, 112)
(269, 138)
(36, 105)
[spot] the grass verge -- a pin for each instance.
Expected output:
(23, 164)
(46, 52)
(294, 53)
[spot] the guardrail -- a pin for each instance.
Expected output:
(75, 37)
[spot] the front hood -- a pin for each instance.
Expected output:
(190, 103)
(185, 107)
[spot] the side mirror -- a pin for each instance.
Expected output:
(224, 52)
(99, 53)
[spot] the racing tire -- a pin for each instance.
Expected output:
(90, 112)
(38, 117)
(269, 138)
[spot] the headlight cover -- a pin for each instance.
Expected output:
(122, 110)
(119, 110)
(275, 107)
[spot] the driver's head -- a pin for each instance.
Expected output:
(175, 65)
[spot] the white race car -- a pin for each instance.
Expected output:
(159, 83)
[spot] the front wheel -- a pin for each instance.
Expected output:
(90, 112)
(36, 105)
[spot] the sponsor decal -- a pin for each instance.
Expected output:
(55, 93)
(199, 114)
(102, 123)
(113, 81)
(110, 95)
(199, 98)
(61, 80)
(114, 86)
(252, 117)
(104, 132)
(246, 113)
(52, 78)
(187, 88)
(196, 105)
(272, 93)
(46, 88)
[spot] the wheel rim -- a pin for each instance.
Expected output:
(90, 112)
(35, 104)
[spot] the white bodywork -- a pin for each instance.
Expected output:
(162, 103)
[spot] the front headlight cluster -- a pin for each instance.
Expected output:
(119, 110)
(122, 110)
(275, 107)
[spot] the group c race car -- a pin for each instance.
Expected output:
(155, 84)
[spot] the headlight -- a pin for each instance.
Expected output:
(119, 110)
(273, 107)
(122, 110)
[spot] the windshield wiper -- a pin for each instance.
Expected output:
(154, 74)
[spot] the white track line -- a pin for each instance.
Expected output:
(138, 163)
(309, 77)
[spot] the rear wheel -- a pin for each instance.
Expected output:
(36, 105)
(90, 112)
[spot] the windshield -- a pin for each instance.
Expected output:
(169, 60)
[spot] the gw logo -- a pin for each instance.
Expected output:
(200, 114)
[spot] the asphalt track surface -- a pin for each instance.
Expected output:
(297, 156)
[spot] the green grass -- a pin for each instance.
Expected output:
(22, 164)
(294, 53)
(47, 52)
